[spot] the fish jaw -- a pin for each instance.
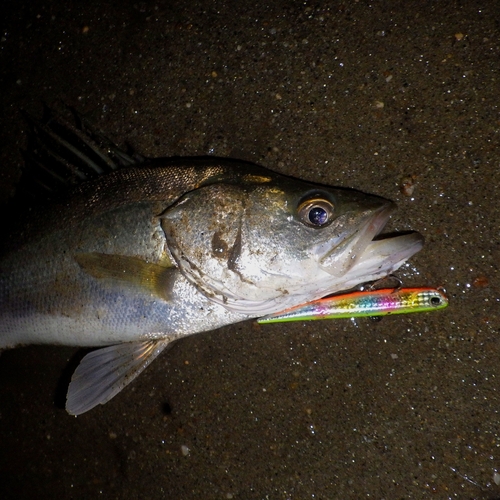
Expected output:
(384, 256)
(361, 257)
(378, 259)
(342, 256)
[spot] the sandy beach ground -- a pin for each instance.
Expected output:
(369, 95)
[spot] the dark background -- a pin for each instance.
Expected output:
(356, 94)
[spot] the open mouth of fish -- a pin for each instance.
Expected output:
(367, 253)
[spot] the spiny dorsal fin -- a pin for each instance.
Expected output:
(60, 155)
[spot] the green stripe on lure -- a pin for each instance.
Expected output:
(367, 303)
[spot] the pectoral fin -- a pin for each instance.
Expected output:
(102, 374)
(155, 278)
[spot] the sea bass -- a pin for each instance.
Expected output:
(140, 256)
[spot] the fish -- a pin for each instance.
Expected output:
(375, 303)
(128, 254)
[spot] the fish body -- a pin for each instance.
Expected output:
(95, 268)
(365, 303)
(143, 255)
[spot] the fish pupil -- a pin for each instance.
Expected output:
(318, 216)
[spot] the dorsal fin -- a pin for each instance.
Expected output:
(60, 155)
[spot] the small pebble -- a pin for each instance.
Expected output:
(407, 185)
(480, 282)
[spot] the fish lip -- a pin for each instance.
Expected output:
(380, 219)
(340, 258)
(383, 255)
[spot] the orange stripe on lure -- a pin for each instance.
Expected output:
(366, 303)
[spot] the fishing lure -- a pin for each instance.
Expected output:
(366, 303)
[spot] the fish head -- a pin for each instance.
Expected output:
(269, 242)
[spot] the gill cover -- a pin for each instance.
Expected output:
(204, 233)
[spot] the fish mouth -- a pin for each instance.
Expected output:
(364, 255)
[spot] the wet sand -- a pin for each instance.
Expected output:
(362, 95)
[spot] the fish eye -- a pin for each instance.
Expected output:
(316, 212)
